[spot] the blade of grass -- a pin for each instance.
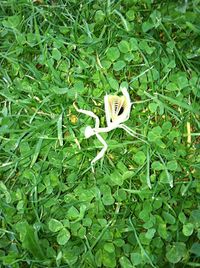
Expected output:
(59, 129)
(138, 76)
(124, 22)
(148, 169)
(175, 49)
(172, 111)
(37, 151)
(140, 244)
(179, 103)
(170, 180)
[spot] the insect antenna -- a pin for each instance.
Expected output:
(132, 133)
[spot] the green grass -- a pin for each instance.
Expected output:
(54, 212)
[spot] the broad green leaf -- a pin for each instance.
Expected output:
(129, 56)
(156, 165)
(133, 44)
(166, 177)
(145, 47)
(128, 174)
(119, 65)
(130, 14)
(12, 21)
(3, 187)
(106, 64)
(107, 197)
(117, 178)
(108, 200)
(193, 27)
(166, 127)
(172, 87)
(79, 86)
(98, 258)
(176, 252)
(188, 229)
(30, 240)
(155, 134)
(150, 223)
(150, 233)
(182, 218)
(73, 213)
(139, 158)
(195, 218)
(109, 259)
(172, 165)
(9, 259)
(144, 215)
(158, 242)
(182, 82)
(21, 39)
(82, 232)
(119, 242)
(144, 240)
(156, 18)
(55, 225)
(60, 91)
(63, 236)
(162, 230)
(113, 83)
(120, 195)
(87, 222)
(195, 249)
(56, 54)
(99, 16)
(146, 26)
(64, 65)
(124, 46)
(153, 107)
(113, 54)
(136, 258)
(125, 262)
(157, 203)
(109, 247)
(20, 205)
(121, 166)
(168, 218)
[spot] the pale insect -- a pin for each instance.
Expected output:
(117, 111)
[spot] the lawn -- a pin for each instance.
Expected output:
(140, 206)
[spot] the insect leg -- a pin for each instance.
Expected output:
(103, 150)
(89, 113)
(132, 133)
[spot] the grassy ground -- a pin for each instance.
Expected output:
(53, 211)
